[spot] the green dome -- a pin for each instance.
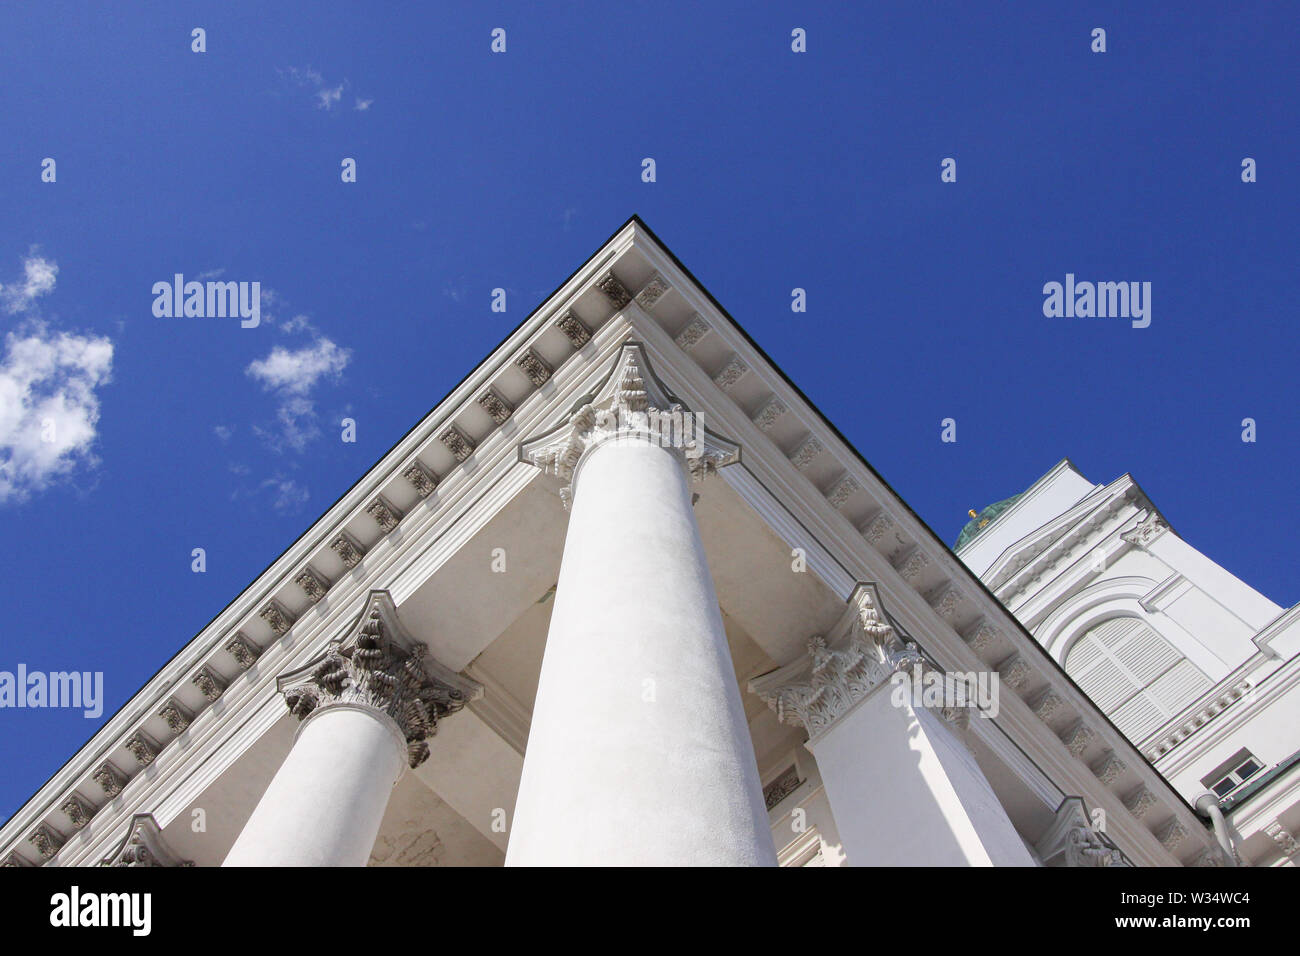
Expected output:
(982, 520)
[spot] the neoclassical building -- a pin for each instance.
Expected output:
(1200, 671)
(626, 597)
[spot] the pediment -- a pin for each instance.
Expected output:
(1042, 540)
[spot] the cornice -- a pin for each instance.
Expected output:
(1223, 712)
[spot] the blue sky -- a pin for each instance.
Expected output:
(476, 170)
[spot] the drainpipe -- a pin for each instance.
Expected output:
(1207, 805)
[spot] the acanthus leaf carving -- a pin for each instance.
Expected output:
(654, 289)
(385, 514)
(109, 778)
(143, 846)
(348, 549)
(209, 682)
(377, 666)
(767, 415)
(815, 691)
(142, 747)
(535, 367)
(614, 289)
(494, 403)
(312, 583)
(573, 328)
(631, 406)
(1146, 531)
(46, 839)
(244, 651)
(78, 810)
(277, 617)
(176, 715)
(694, 330)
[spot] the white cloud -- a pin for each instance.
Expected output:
(298, 371)
(289, 495)
(326, 96)
(48, 406)
(39, 276)
(299, 323)
(292, 374)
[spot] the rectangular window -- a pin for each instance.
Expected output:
(1232, 773)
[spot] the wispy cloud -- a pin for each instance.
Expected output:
(325, 94)
(292, 374)
(49, 407)
(289, 495)
(286, 494)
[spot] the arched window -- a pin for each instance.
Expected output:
(1134, 675)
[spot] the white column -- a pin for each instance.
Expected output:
(325, 804)
(366, 706)
(902, 785)
(639, 752)
(905, 790)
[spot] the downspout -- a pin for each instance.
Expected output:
(1207, 805)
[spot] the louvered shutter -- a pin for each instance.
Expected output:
(1134, 675)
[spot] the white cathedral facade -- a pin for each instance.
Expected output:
(1199, 670)
(626, 597)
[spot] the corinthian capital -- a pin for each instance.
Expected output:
(376, 665)
(632, 405)
(864, 651)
